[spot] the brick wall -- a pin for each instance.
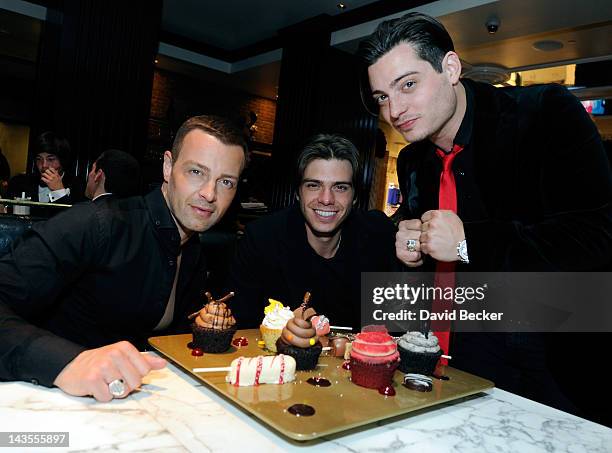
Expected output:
(176, 97)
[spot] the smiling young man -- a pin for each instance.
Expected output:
(320, 245)
(83, 290)
(492, 180)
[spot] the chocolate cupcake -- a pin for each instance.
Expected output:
(419, 353)
(213, 327)
(299, 338)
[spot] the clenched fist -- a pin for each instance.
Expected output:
(441, 231)
(408, 229)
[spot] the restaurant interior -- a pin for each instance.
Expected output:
(126, 74)
(103, 79)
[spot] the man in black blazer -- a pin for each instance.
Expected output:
(492, 180)
(320, 245)
(115, 173)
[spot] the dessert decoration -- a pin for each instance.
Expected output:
(374, 358)
(321, 325)
(276, 317)
(419, 352)
(240, 341)
(213, 326)
(387, 390)
(338, 345)
(272, 369)
(418, 382)
(299, 337)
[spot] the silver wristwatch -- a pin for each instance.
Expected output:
(462, 252)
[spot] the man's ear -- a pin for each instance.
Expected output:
(451, 66)
(99, 175)
(167, 166)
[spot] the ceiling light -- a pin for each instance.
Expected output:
(488, 73)
(547, 45)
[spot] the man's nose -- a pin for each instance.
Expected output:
(326, 196)
(396, 108)
(208, 191)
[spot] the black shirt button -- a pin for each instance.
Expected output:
(157, 222)
(171, 262)
(34, 381)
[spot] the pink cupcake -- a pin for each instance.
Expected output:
(374, 358)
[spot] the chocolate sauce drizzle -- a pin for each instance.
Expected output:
(301, 410)
(319, 381)
(224, 320)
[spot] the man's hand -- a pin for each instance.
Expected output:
(441, 232)
(52, 178)
(408, 229)
(92, 370)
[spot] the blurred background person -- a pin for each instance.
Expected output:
(51, 179)
(114, 173)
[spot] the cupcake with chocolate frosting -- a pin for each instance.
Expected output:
(299, 337)
(419, 352)
(214, 326)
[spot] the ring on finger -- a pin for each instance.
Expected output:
(411, 245)
(117, 388)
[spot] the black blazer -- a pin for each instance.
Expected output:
(543, 186)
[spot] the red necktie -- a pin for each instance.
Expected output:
(445, 272)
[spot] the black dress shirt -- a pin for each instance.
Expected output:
(93, 275)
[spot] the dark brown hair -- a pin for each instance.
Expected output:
(221, 128)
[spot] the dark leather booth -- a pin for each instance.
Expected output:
(13, 227)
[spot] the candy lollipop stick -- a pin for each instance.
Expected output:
(212, 369)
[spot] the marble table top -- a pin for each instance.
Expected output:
(175, 413)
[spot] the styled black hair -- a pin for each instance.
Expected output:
(426, 35)
(121, 172)
(49, 142)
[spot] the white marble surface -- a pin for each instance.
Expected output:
(174, 413)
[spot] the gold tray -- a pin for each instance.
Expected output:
(340, 407)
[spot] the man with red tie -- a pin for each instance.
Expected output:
(492, 180)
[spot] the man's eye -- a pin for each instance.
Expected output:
(227, 183)
(380, 99)
(195, 171)
(341, 187)
(311, 185)
(409, 84)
